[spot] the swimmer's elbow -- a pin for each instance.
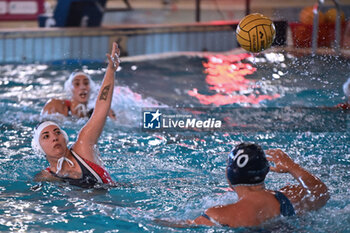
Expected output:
(321, 192)
(318, 199)
(323, 196)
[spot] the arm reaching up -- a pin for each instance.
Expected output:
(90, 133)
(310, 194)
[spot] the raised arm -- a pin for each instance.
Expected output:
(310, 194)
(92, 130)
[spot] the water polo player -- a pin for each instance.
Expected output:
(78, 165)
(78, 87)
(246, 169)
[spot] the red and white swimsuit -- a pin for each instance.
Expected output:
(92, 174)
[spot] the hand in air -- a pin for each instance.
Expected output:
(283, 163)
(113, 58)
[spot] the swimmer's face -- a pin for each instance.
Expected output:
(81, 89)
(52, 141)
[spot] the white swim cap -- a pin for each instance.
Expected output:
(68, 85)
(346, 88)
(35, 141)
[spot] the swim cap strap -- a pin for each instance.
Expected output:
(81, 109)
(60, 162)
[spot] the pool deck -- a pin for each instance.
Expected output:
(183, 11)
(175, 17)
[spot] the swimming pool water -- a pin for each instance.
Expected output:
(172, 175)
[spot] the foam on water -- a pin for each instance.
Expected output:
(128, 105)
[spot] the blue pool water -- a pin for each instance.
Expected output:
(172, 175)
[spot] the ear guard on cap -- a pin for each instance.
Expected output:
(35, 141)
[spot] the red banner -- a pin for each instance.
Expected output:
(21, 9)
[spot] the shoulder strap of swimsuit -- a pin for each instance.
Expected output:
(286, 207)
(211, 219)
(87, 164)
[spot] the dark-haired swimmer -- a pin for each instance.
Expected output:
(246, 169)
(78, 87)
(78, 165)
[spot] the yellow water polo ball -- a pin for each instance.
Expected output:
(255, 32)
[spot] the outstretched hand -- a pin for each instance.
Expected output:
(113, 58)
(283, 163)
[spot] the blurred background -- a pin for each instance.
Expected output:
(117, 12)
(157, 26)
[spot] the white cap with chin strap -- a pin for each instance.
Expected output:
(37, 147)
(35, 142)
(68, 84)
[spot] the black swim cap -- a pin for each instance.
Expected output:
(247, 164)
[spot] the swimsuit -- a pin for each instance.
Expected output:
(89, 113)
(286, 208)
(68, 104)
(213, 220)
(91, 174)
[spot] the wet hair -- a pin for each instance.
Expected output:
(36, 135)
(247, 165)
(68, 84)
(346, 88)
